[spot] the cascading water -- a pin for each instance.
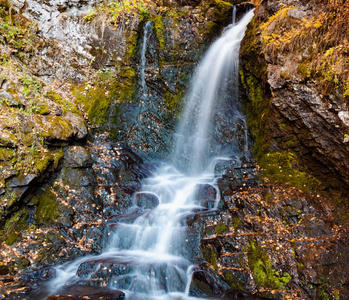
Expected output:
(143, 64)
(234, 15)
(152, 251)
(212, 105)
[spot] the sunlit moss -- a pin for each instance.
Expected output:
(46, 210)
(283, 167)
(210, 255)
(159, 27)
(221, 228)
(261, 267)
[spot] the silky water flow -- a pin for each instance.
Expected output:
(153, 250)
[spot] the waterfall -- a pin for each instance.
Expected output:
(143, 64)
(213, 96)
(234, 15)
(143, 58)
(153, 254)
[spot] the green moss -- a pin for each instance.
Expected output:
(57, 157)
(261, 267)
(18, 32)
(210, 255)
(46, 210)
(258, 115)
(99, 108)
(253, 77)
(236, 223)
(233, 280)
(53, 96)
(12, 238)
(42, 161)
(173, 102)
(283, 167)
(304, 69)
(222, 10)
(124, 88)
(159, 27)
(13, 227)
(100, 100)
(132, 44)
(6, 154)
(221, 228)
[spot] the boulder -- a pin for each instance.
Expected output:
(77, 157)
(147, 200)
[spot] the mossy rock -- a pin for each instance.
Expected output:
(42, 109)
(261, 267)
(11, 231)
(47, 208)
(234, 280)
(8, 139)
(55, 128)
(210, 255)
(159, 28)
(12, 238)
(283, 167)
(52, 95)
(173, 102)
(55, 238)
(6, 154)
(221, 228)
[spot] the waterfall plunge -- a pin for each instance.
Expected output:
(214, 90)
(154, 249)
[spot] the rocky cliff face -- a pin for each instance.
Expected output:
(295, 62)
(78, 132)
(71, 81)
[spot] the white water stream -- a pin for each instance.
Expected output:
(154, 249)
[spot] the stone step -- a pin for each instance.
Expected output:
(82, 292)
(133, 274)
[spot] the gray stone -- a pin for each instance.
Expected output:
(78, 157)
(21, 181)
(147, 200)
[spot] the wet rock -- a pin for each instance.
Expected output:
(223, 165)
(41, 274)
(147, 200)
(127, 217)
(78, 157)
(101, 271)
(263, 219)
(60, 298)
(205, 284)
(205, 192)
(79, 292)
(21, 181)
(78, 177)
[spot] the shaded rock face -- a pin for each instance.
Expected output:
(285, 63)
(270, 240)
(65, 218)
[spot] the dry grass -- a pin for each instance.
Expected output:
(320, 40)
